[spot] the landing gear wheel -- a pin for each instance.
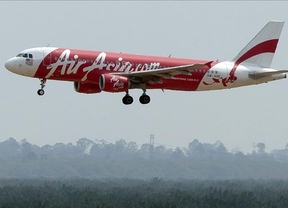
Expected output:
(144, 99)
(42, 84)
(127, 100)
(40, 92)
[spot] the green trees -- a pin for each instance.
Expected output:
(100, 159)
(139, 193)
(121, 174)
(129, 150)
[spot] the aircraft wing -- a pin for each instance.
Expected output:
(155, 76)
(264, 74)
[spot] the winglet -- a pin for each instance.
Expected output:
(209, 64)
(260, 50)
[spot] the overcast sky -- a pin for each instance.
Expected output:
(198, 30)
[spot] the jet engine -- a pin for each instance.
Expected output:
(88, 88)
(114, 83)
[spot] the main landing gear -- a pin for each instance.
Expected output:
(41, 90)
(127, 99)
(144, 99)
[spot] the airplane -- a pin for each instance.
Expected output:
(96, 71)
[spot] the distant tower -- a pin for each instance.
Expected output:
(151, 146)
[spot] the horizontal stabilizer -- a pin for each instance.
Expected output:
(264, 74)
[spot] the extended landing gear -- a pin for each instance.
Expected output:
(144, 99)
(127, 99)
(41, 90)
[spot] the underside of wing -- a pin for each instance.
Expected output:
(155, 76)
(260, 75)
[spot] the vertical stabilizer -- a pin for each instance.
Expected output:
(260, 50)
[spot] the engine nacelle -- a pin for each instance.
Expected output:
(113, 83)
(88, 88)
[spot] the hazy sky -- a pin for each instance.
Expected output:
(198, 30)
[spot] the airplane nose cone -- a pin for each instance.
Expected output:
(9, 65)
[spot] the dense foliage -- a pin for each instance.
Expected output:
(100, 159)
(139, 193)
(123, 150)
(102, 174)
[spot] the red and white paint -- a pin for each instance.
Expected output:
(96, 71)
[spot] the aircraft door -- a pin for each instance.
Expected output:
(47, 58)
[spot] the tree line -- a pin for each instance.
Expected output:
(101, 149)
(100, 159)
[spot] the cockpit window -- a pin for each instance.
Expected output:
(25, 55)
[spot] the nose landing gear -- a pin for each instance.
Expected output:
(41, 91)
